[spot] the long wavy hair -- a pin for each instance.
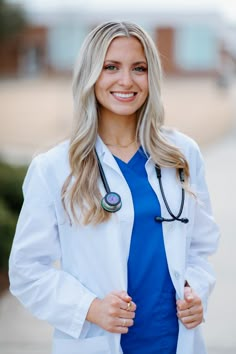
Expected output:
(80, 192)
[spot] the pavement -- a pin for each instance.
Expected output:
(21, 333)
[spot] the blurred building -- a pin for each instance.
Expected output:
(25, 53)
(190, 43)
(196, 49)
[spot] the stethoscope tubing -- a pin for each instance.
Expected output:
(175, 217)
(111, 202)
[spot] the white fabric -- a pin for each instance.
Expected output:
(94, 258)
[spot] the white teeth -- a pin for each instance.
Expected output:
(123, 95)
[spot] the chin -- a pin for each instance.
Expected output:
(125, 112)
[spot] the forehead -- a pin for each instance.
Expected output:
(125, 47)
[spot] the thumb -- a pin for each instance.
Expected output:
(123, 295)
(188, 293)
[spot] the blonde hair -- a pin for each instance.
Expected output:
(81, 188)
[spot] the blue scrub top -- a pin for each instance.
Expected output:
(155, 329)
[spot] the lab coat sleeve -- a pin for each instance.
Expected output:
(204, 236)
(49, 293)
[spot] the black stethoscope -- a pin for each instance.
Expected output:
(111, 202)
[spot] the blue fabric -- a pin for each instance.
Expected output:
(155, 329)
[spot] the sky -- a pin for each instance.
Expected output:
(228, 7)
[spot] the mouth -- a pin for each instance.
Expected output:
(124, 95)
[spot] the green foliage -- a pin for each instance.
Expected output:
(11, 199)
(12, 19)
(11, 178)
(7, 228)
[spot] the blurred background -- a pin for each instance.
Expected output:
(39, 42)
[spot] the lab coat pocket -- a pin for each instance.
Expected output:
(93, 345)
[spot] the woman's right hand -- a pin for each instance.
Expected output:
(115, 313)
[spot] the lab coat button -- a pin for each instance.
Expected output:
(176, 274)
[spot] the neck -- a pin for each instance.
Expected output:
(118, 132)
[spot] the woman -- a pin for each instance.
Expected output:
(124, 207)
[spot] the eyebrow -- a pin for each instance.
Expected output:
(118, 62)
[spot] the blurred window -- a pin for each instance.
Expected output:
(64, 42)
(196, 48)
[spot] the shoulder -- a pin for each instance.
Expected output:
(179, 139)
(183, 142)
(51, 166)
(188, 146)
(58, 153)
(56, 157)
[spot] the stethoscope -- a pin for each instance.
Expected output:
(111, 202)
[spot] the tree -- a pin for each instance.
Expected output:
(12, 19)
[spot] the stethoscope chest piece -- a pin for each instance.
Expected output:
(111, 202)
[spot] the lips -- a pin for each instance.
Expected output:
(127, 96)
(123, 95)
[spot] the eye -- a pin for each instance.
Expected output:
(111, 67)
(140, 69)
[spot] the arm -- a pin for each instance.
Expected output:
(204, 236)
(49, 293)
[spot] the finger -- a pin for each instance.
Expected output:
(121, 330)
(125, 322)
(190, 311)
(190, 316)
(127, 303)
(194, 310)
(182, 305)
(122, 295)
(122, 325)
(185, 313)
(116, 304)
(127, 314)
(130, 306)
(191, 321)
(188, 294)
(192, 324)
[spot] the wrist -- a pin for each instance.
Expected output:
(93, 310)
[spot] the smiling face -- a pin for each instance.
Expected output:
(122, 86)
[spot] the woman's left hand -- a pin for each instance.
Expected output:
(190, 309)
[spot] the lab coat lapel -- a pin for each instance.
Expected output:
(174, 233)
(124, 218)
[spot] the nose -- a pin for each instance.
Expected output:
(125, 78)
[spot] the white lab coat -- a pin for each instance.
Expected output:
(94, 258)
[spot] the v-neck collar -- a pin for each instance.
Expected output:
(133, 159)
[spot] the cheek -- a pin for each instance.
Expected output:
(98, 97)
(101, 87)
(98, 92)
(145, 88)
(144, 85)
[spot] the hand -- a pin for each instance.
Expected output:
(190, 310)
(114, 313)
